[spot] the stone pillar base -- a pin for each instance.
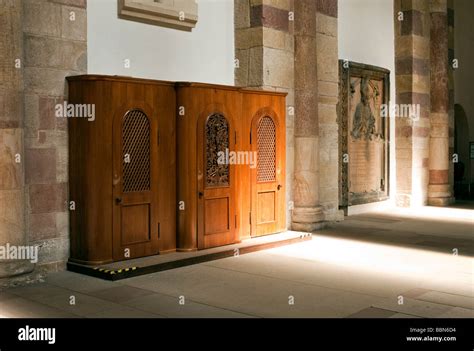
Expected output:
(12, 268)
(441, 201)
(307, 219)
(403, 200)
(15, 273)
(440, 195)
(333, 216)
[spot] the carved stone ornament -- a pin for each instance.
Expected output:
(363, 134)
(177, 14)
(364, 120)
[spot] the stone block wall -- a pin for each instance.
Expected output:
(54, 37)
(11, 124)
(43, 41)
(11, 135)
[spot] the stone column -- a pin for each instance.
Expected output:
(55, 46)
(307, 214)
(439, 189)
(328, 92)
(412, 62)
(11, 137)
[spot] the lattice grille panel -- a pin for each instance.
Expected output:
(266, 150)
(217, 140)
(136, 151)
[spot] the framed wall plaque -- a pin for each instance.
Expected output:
(363, 133)
(177, 14)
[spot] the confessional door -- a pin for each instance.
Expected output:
(216, 182)
(135, 182)
(267, 193)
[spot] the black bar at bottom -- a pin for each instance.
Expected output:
(314, 334)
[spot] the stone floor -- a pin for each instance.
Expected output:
(389, 265)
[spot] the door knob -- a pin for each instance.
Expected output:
(279, 186)
(118, 200)
(201, 194)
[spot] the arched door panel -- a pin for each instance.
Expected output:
(135, 183)
(267, 195)
(216, 181)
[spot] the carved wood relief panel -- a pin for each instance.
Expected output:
(217, 140)
(363, 134)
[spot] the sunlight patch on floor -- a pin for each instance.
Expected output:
(381, 258)
(447, 214)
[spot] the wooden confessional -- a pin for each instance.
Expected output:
(172, 166)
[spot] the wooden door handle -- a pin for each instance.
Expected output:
(279, 186)
(201, 194)
(118, 200)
